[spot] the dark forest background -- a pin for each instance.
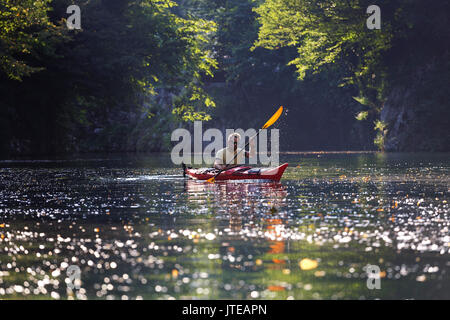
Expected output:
(139, 69)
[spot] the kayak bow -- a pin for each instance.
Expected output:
(238, 173)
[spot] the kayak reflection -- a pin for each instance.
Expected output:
(249, 211)
(244, 198)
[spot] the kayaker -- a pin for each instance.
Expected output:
(225, 156)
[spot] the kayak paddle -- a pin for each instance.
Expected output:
(270, 122)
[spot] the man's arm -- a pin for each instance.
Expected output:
(218, 163)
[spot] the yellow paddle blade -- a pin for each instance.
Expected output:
(211, 180)
(274, 118)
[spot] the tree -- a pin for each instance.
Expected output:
(24, 31)
(99, 77)
(327, 33)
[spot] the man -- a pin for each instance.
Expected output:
(225, 156)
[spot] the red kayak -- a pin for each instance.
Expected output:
(238, 173)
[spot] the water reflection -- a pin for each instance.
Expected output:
(242, 203)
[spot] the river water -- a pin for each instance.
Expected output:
(135, 229)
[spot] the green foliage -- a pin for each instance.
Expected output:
(362, 115)
(327, 33)
(141, 67)
(379, 141)
(364, 101)
(77, 82)
(148, 48)
(24, 31)
(380, 127)
(251, 82)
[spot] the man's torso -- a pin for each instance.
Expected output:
(225, 156)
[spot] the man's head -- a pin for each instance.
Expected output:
(233, 140)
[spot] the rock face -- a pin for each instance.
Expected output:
(398, 113)
(417, 115)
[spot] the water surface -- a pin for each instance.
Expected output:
(138, 230)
